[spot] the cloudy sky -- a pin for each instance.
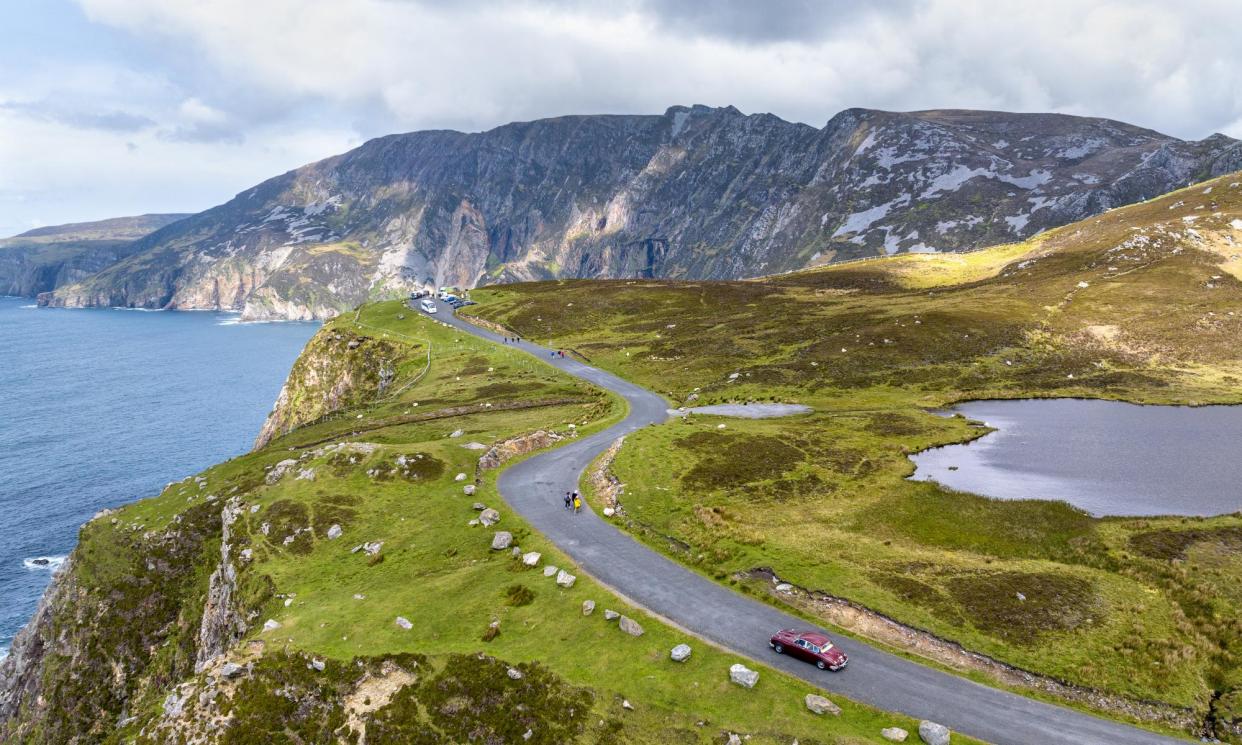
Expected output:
(117, 107)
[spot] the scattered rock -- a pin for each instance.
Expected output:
(611, 615)
(404, 623)
(588, 607)
(279, 470)
(565, 579)
(680, 653)
(550, 570)
(478, 506)
(501, 540)
(306, 474)
(334, 532)
(820, 705)
(609, 512)
(625, 704)
(743, 676)
(475, 446)
(468, 489)
(630, 626)
(473, 523)
(230, 670)
(532, 558)
(318, 665)
(271, 624)
(515, 674)
(359, 596)
(933, 734)
(894, 734)
(460, 477)
(489, 517)
(734, 739)
(457, 433)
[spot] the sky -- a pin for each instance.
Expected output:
(121, 107)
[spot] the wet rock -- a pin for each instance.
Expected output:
(743, 676)
(933, 734)
(680, 653)
(501, 540)
(820, 705)
(630, 626)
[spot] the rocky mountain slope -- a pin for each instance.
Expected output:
(693, 193)
(43, 259)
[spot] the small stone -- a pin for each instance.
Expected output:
(460, 477)
(680, 653)
(318, 665)
(489, 516)
(457, 433)
(550, 570)
(820, 705)
(933, 734)
(359, 596)
(609, 512)
(473, 523)
(611, 615)
(625, 704)
(271, 624)
(531, 558)
(515, 674)
(334, 532)
(516, 552)
(734, 739)
(894, 734)
(588, 607)
(630, 626)
(565, 579)
(478, 506)
(468, 489)
(501, 540)
(529, 733)
(404, 623)
(743, 675)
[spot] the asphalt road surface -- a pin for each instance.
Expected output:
(535, 489)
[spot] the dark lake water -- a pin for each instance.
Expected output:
(102, 407)
(1108, 458)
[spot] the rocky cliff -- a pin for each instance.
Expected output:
(693, 193)
(42, 260)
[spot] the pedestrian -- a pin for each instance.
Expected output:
(569, 501)
(577, 503)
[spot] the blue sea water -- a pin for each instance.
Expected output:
(102, 407)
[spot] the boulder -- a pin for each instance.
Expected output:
(611, 615)
(933, 734)
(565, 579)
(468, 489)
(489, 516)
(501, 540)
(680, 653)
(743, 676)
(894, 734)
(404, 623)
(531, 558)
(460, 477)
(550, 570)
(230, 670)
(334, 532)
(820, 705)
(588, 607)
(630, 626)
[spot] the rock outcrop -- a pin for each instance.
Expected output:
(498, 454)
(223, 623)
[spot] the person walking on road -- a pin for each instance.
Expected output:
(577, 503)
(569, 501)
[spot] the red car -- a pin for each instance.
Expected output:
(812, 646)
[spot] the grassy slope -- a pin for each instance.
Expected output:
(438, 571)
(1131, 305)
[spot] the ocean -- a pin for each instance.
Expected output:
(103, 407)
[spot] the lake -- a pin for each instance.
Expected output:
(102, 407)
(1106, 457)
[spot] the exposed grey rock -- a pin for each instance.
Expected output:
(611, 615)
(933, 734)
(279, 470)
(457, 433)
(501, 540)
(516, 552)
(489, 517)
(271, 624)
(222, 623)
(460, 477)
(894, 734)
(318, 665)
(515, 674)
(565, 579)
(734, 739)
(820, 705)
(468, 489)
(630, 626)
(404, 623)
(334, 532)
(531, 558)
(550, 570)
(230, 670)
(680, 653)
(478, 506)
(743, 676)
(625, 704)
(588, 607)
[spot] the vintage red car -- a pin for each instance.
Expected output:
(812, 646)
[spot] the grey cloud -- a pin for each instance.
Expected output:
(110, 121)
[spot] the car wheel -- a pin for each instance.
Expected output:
(821, 665)
(778, 649)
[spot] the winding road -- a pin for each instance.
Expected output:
(743, 625)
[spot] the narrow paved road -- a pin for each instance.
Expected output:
(743, 625)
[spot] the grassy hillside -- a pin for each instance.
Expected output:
(1142, 304)
(381, 469)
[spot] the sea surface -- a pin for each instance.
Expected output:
(1107, 457)
(102, 407)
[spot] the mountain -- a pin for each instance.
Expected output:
(43, 259)
(694, 193)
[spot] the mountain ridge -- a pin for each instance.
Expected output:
(695, 193)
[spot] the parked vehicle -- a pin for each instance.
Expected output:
(428, 306)
(420, 294)
(813, 646)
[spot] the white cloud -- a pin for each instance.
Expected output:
(259, 84)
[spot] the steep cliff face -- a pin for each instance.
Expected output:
(336, 369)
(42, 260)
(693, 193)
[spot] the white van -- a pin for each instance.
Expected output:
(428, 305)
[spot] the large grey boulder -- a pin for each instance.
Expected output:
(743, 676)
(630, 626)
(501, 540)
(820, 705)
(933, 734)
(680, 653)
(894, 734)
